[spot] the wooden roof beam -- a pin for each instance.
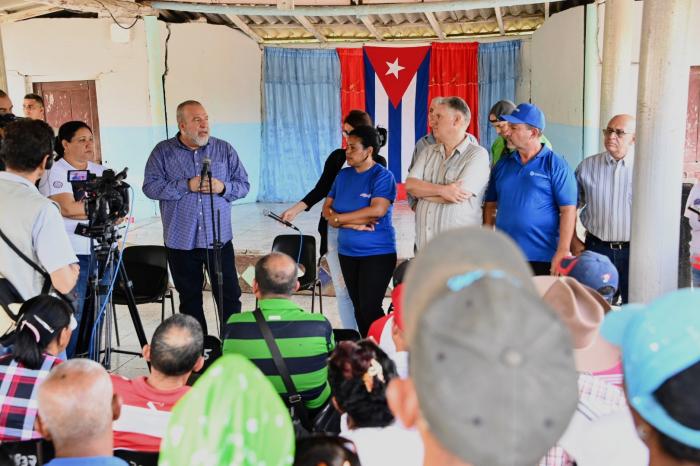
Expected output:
(245, 29)
(435, 25)
(370, 27)
(499, 20)
(304, 21)
(28, 13)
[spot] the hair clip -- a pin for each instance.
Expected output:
(374, 370)
(34, 330)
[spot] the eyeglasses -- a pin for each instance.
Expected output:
(618, 132)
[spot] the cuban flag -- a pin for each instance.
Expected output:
(396, 97)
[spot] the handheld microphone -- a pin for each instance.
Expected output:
(206, 166)
(276, 217)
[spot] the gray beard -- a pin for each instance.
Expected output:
(200, 141)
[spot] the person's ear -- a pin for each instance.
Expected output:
(116, 406)
(256, 288)
(403, 401)
(64, 337)
(40, 427)
(199, 364)
(146, 351)
(297, 285)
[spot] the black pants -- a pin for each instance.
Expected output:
(187, 268)
(540, 268)
(367, 279)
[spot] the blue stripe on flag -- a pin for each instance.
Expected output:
(422, 80)
(395, 140)
(369, 87)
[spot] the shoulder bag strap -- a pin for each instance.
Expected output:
(294, 399)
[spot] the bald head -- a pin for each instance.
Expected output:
(619, 135)
(276, 274)
(75, 403)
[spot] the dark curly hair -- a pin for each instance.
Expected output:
(679, 397)
(347, 365)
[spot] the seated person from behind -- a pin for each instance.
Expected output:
(42, 333)
(76, 410)
(175, 351)
(304, 339)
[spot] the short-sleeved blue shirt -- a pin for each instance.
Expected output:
(352, 191)
(529, 197)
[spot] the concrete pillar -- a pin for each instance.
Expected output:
(156, 67)
(658, 166)
(3, 72)
(617, 92)
(591, 85)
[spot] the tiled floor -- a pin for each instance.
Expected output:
(253, 233)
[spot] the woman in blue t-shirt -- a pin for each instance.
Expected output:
(360, 205)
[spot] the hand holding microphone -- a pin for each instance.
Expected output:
(279, 219)
(200, 184)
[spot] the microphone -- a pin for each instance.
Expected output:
(276, 217)
(206, 165)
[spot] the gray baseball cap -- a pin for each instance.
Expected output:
(492, 365)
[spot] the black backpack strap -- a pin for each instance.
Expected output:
(294, 400)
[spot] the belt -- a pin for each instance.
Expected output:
(611, 244)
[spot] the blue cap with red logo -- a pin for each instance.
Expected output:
(593, 270)
(527, 114)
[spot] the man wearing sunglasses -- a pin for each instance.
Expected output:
(605, 198)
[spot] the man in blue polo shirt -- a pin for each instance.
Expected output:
(533, 193)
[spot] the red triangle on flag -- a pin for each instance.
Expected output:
(396, 67)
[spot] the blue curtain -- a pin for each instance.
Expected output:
(499, 71)
(301, 120)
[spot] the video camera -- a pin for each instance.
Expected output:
(107, 200)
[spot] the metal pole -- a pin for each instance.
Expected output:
(658, 167)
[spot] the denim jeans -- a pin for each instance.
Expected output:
(346, 310)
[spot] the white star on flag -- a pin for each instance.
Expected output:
(394, 68)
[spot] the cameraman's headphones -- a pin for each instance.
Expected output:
(52, 154)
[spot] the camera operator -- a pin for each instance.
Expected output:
(76, 151)
(29, 220)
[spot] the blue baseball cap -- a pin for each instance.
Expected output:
(527, 114)
(593, 270)
(657, 341)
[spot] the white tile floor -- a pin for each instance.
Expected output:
(253, 233)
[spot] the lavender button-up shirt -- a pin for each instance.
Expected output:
(187, 220)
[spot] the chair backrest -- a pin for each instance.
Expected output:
(147, 269)
(138, 458)
(289, 244)
(37, 452)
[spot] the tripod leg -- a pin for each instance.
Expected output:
(133, 310)
(116, 325)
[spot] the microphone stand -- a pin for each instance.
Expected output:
(216, 249)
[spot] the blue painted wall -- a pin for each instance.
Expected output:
(130, 147)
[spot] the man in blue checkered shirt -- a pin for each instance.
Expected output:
(172, 177)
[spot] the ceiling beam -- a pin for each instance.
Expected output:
(546, 10)
(348, 10)
(245, 29)
(435, 25)
(304, 21)
(370, 27)
(499, 20)
(118, 8)
(28, 13)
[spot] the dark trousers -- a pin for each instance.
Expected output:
(540, 268)
(619, 256)
(367, 279)
(187, 269)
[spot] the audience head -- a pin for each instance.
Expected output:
(275, 275)
(5, 103)
(500, 108)
(619, 135)
(75, 141)
(363, 142)
(452, 117)
(660, 344)
(193, 123)
(474, 323)
(176, 346)
(232, 415)
(582, 310)
(45, 326)
(355, 119)
(358, 374)
(27, 146)
(324, 450)
(77, 407)
(33, 106)
(526, 124)
(594, 271)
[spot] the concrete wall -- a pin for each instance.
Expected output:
(205, 63)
